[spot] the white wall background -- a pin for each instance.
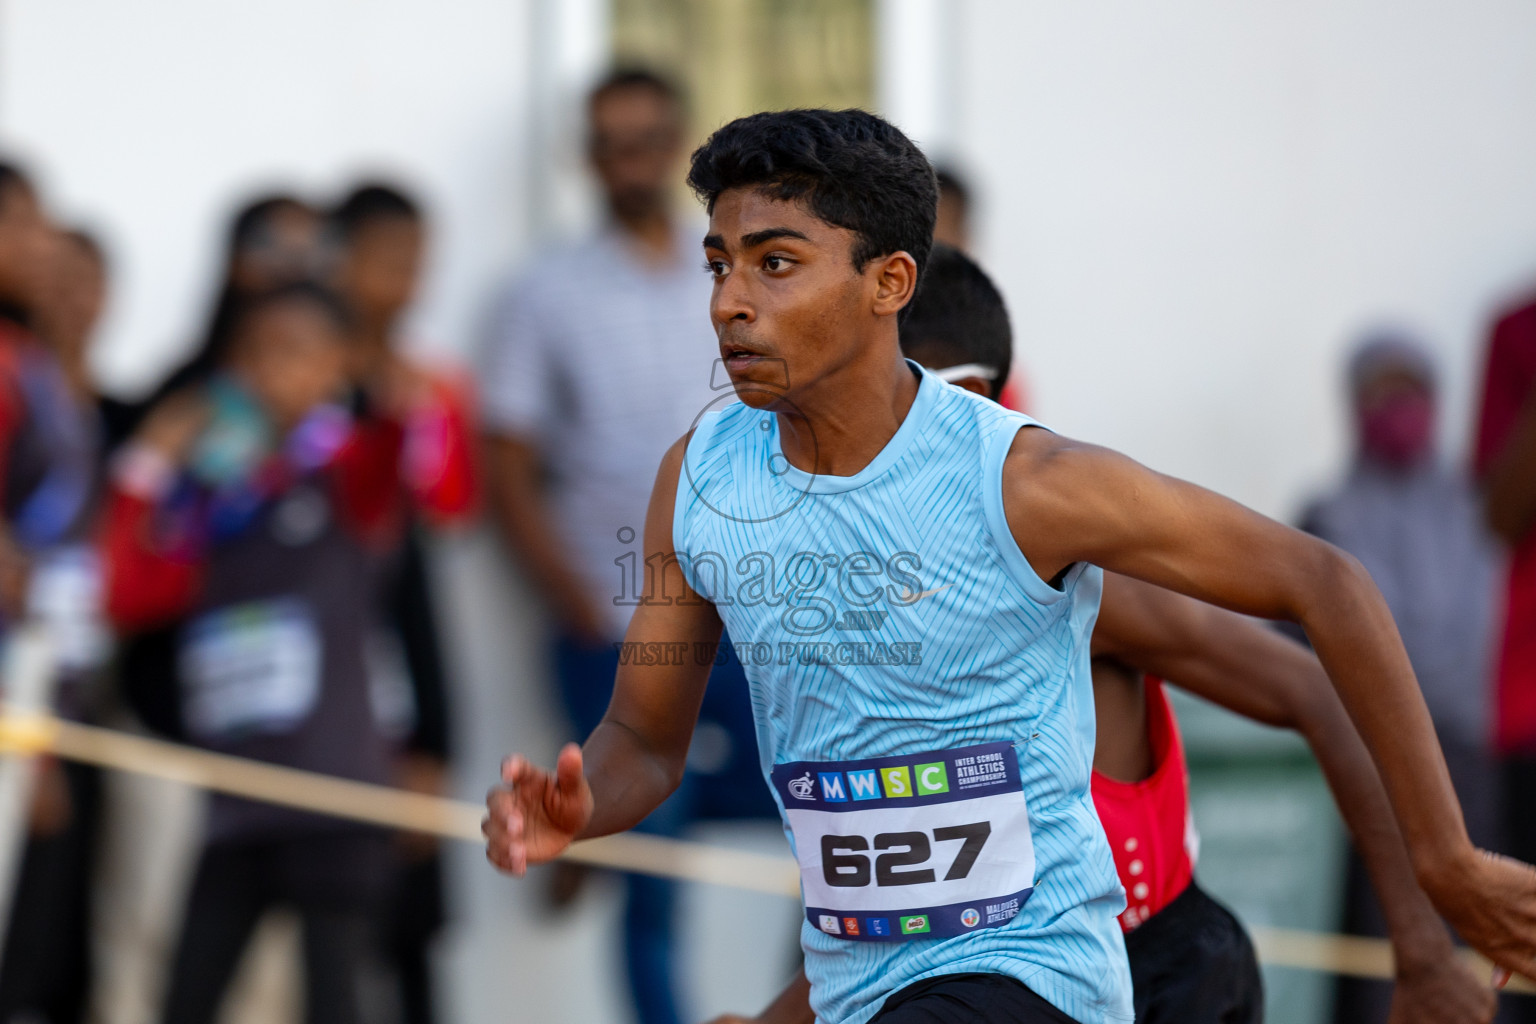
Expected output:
(151, 120)
(1192, 205)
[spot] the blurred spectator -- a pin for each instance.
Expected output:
(953, 228)
(380, 236)
(257, 510)
(274, 240)
(1416, 526)
(953, 223)
(584, 389)
(1506, 464)
(65, 590)
(48, 459)
(75, 302)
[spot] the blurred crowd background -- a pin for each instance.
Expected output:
(339, 342)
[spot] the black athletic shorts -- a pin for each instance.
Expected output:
(968, 999)
(1192, 963)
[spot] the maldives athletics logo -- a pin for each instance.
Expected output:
(969, 917)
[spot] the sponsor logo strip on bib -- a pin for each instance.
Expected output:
(928, 845)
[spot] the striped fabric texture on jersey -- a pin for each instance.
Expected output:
(891, 612)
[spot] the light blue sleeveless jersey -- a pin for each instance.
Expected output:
(892, 613)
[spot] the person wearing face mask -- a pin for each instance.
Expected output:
(1416, 524)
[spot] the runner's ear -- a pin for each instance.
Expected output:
(895, 279)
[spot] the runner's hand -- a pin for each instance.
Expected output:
(534, 816)
(1491, 903)
(1442, 991)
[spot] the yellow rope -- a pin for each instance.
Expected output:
(29, 735)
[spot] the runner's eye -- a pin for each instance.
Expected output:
(714, 268)
(774, 263)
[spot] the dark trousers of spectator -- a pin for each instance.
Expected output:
(46, 972)
(334, 882)
(414, 914)
(1475, 774)
(733, 788)
(1519, 778)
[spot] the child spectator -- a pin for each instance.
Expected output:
(258, 511)
(273, 241)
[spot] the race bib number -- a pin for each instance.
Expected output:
(918, 846)
(253, 668)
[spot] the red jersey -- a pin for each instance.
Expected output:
(1148, 823)
(1507, 385)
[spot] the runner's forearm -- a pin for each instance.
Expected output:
(1418, 936)
(629, 778)
(1356, 640)
(1254, 670)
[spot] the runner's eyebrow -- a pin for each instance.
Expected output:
(756, 238)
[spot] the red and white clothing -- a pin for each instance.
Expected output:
(1149, 825)
(273, 579)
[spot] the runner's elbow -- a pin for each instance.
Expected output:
(1333, 582)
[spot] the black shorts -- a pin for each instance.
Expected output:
(968, 999)
(1192, 963)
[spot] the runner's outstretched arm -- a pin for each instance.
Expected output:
(1255, 671)
(1068, 502)
(634, 759)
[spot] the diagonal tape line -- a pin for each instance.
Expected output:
(30, 734)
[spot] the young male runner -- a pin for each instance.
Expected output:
(1191, 961)
(934, 772)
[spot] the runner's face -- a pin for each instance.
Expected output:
(789, 307)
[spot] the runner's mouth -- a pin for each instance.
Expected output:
(737, 358)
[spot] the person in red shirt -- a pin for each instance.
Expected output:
(1191, 961)
(258, 513)
(380, 238)
(48, 463)
(1505, 461)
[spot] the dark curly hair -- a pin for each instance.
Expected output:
(370, 202)
(303, 293)
(851, 169)
(958, 316)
